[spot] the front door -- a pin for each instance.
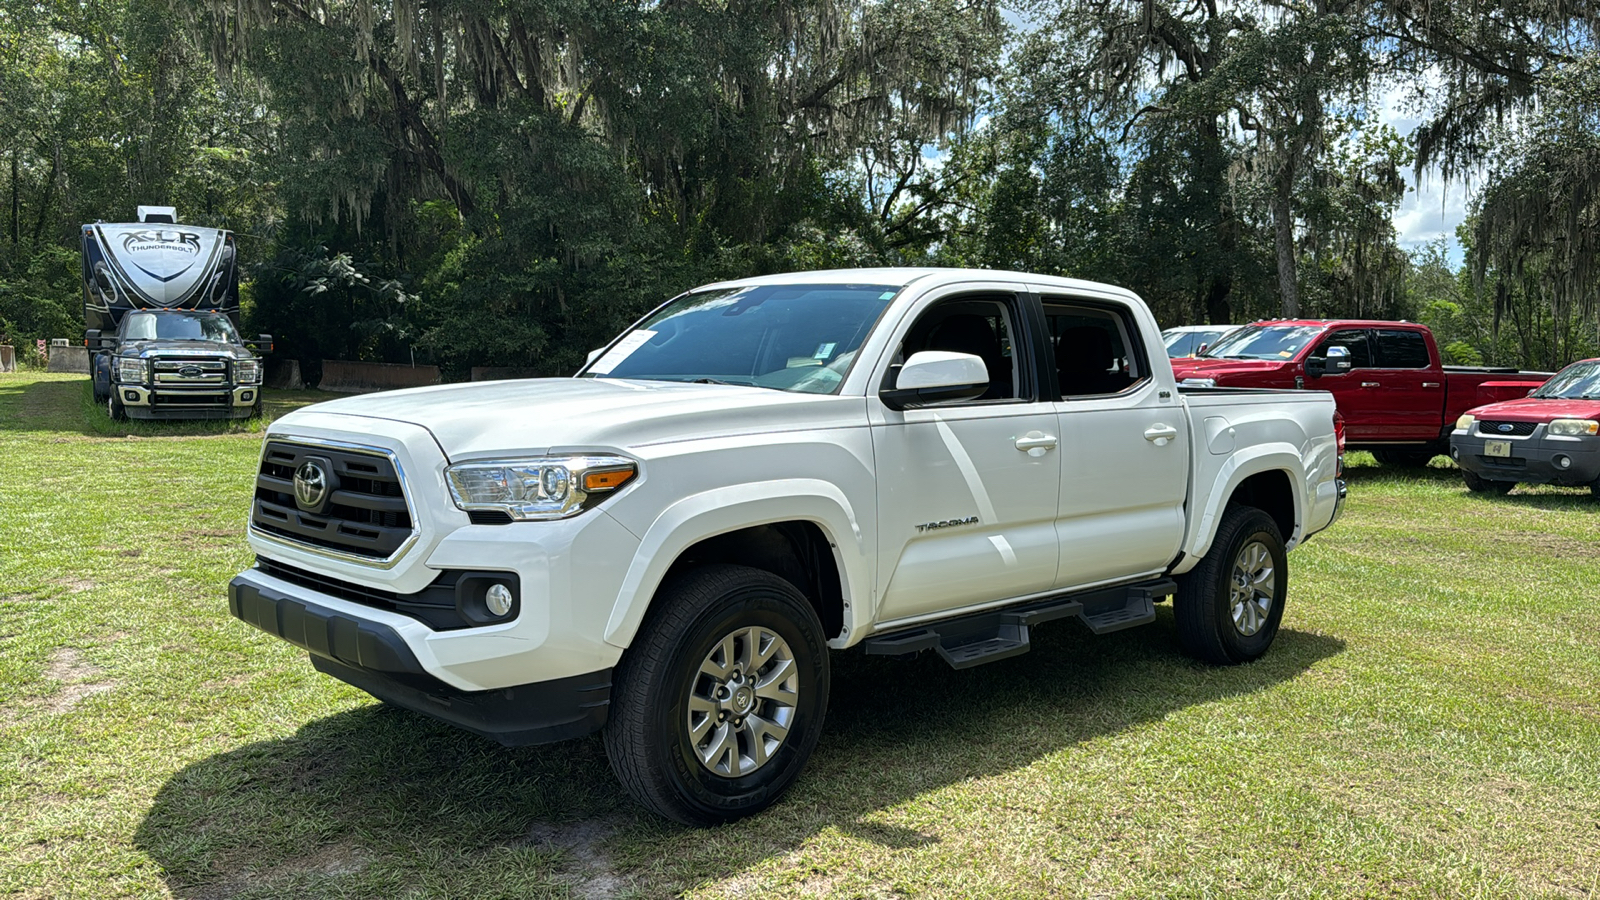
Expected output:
(967, 490)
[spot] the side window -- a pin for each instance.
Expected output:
(981, 327)
(1402, 349)
(1354, 340)
(1094, 349)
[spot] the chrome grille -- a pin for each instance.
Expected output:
(189, 372)
(1517, 429)
(365, 513)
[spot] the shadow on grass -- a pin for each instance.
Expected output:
(67, 406)
(1544, 497)
(432, 809)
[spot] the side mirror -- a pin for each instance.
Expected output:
(262, 344)
(935, 376)
(91, 339)
(593, 355)
(1200, 350)
(1337, 361)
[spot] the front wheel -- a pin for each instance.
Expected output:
(114, 407)
(1228, 607)
(1484, 486)
(719, 702)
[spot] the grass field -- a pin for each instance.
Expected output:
(1426, 726)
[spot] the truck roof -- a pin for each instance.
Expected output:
(901, 276)
(1343, 323)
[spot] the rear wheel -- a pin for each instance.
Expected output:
(720, 700)
(1484, 486)
(1229, 606)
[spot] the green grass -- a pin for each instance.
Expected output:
(1426, 726)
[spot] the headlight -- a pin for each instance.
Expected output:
(1465, 422)
(542, 488)
(247, 371)
(1572, 427)
(130, 371)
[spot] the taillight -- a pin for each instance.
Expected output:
(1338, 439)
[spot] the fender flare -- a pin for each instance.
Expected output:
(721, 510)
(1270, 457)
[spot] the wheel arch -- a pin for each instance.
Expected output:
(802, 530)
(1266, 477)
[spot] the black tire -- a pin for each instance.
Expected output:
(1406, 458)
(1479, 485)
(1213, 624)
(115, 409)
(664, 682)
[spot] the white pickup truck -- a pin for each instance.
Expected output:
(668, 546)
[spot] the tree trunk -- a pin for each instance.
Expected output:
(1283, 241)
(16, 207)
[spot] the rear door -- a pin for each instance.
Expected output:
(1124, 446)
(1409, 399)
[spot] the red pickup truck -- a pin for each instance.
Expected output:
(1396, 398)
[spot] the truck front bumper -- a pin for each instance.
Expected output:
(141, 402)
(1536, 459)
(375, 658)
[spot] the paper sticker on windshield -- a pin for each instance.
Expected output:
(620, 352)
(1285, 353)
(824, 351)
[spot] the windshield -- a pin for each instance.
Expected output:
(1579, 381)
(179, 326)
(1264, 342)
(787, 337)
(1187, 343)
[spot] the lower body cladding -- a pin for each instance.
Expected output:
(374, 657)
(140, 402)
(1530, 460)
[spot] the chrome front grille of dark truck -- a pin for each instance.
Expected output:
(190, 372)
(364, 515)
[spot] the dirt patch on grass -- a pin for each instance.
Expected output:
(77, 585)
(80, 679)
(588, 870)
(331, 861)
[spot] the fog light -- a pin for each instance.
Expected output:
(130, 395)
(498, 599)
(1455, 454)
(1564, 462)
(246, 396)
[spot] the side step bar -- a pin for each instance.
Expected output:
(1001, 634)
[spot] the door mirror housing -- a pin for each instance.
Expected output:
(936, 376)
(1336, 362)
(593, 355)
(262, 344)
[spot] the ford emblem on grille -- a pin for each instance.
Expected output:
(310, 486)
(190, 371)
(1505, 427)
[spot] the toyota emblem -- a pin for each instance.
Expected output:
(310, 485)
(1505, 427)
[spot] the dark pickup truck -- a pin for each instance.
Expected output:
(1397, 399)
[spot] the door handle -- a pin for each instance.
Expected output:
(1369, 384)
(1430, 384)
(1160, 434)
(1036, 443)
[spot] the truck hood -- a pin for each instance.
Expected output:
(146, 349)
(476, 421)
(1205, 367)
(1532, 409)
